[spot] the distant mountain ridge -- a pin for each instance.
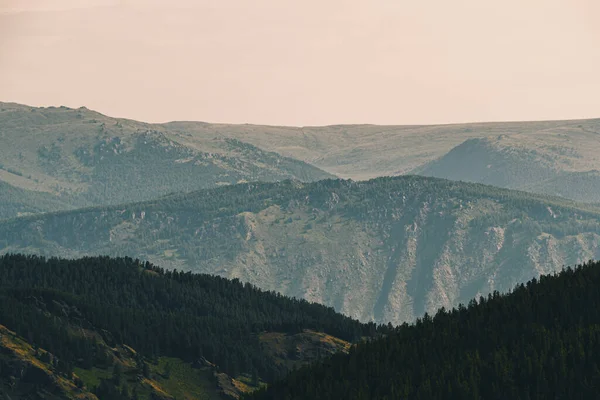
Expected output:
(389, 249)
(367, 151)
(85, 158)
(492, 162)
(88, 158)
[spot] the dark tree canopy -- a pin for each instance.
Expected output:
(157, 312)
(541, 341)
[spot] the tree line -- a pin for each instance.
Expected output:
(541, 341)
(156, 312)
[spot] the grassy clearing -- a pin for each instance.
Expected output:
(92, 377)
(184, 382)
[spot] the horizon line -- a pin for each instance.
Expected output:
(416, 125)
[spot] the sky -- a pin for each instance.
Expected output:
(310, 62)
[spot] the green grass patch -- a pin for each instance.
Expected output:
(92, 377)
(184, 382)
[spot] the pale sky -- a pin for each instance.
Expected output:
(309, 62)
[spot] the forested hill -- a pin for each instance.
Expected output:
(93, 159)
(542, 341)
(87, 158)
(16, 202)
(76, 308)
(389, 249)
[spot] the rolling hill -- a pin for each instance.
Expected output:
(539, 342)
(120, 329)
(367, 151)
(519, 164)
(389, 249)
(558, 158)
(86, 158)
(91, 159)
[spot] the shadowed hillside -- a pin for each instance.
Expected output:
(122, 329)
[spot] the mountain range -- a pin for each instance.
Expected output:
(384, 250)
(362, 152)
(217, 261)
(83, 158)
(86, 158)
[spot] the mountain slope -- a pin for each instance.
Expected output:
(91, 159)
(16, 202)
(580, 186)
(542, 341)
(26, 372)
(389, 249)
(504, 162)
(169, 333)
(559, 158)
(369, 151)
